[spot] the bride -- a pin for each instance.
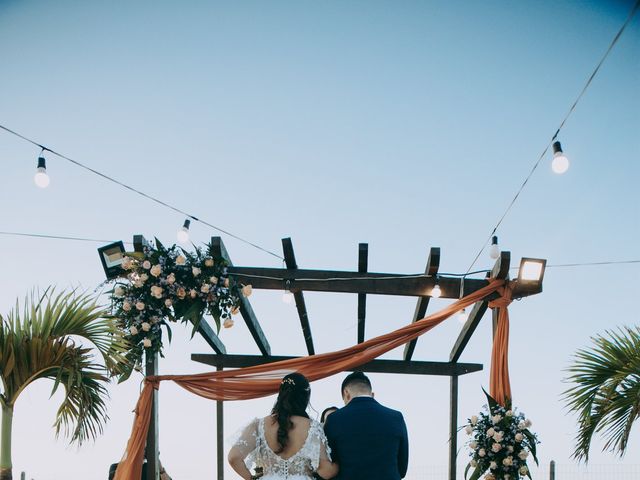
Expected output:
(286, 444)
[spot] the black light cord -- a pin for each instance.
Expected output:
(135, 190)
(555, 135)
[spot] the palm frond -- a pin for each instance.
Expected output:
(606, 390)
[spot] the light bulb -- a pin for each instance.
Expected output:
(436, 291)
(494, 250)
(41, 178)
(463, 316)
(287, 297)
(560, 163)
(183, 232)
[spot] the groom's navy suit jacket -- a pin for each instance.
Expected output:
(368, 441)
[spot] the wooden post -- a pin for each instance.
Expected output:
(453, 427)
(220, 435)
(151, 453)
(23, 476)
(552, 470)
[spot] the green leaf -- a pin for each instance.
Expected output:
(476, 473)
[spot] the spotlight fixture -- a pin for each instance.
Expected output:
(494, 250)
(530, 275)
(560, 163)
(183, 232)
(111, 257)
(41, 178)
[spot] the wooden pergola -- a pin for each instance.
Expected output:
(360, 282)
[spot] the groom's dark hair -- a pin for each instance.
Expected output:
(358, 380)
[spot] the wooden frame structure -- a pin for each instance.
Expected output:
(362, 283)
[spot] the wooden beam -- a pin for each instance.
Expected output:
(453, 426)
(363, 265)
(153, 438)
(433, 264)
(415, 285)
(290, 261)
(500, 270)
(375, 366)
(246, 311)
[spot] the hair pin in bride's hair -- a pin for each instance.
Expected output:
(289, 381)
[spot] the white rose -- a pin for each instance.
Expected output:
(490, 432)
(510, 448)
(118, 291)
(247, 290)
(489, 476)
(493, 465)
(507, 461)
(509, 413)
(521, 426)
(228, 323)
(473, 463)
(126, 306)
(180, 260)
(127, 263)
(468, 429)
(205, 288)
(523, 454)
(523, 470)
(146, 342)
(498, 436)
(193, 293)
(145, 327)
(226, 282)
(474, 419)
(213, 280)
(168, 302)
(473, 445)
(209, 262)
(156, 270)
(140, 305)
(138, 283)
(496, 447)
(496, 419)
(146, 264)
(171, 279)
(482, 452)
(519, 437)
(235, 311)
(144, 277)
(195, 271)
(156, 291)
(528, 423)
(133, 330)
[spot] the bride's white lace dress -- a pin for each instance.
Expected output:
(300, 466)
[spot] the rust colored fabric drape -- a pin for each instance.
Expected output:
(263, 380)
(499, 384)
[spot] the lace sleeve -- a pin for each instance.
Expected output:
(246, 443)
(320, 449)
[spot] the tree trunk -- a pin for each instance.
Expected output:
(5, 439)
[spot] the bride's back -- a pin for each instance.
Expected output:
(297, 436)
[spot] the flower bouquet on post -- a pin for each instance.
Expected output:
(500, 443)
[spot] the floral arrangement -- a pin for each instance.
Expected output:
(163, 284)
(500, 443)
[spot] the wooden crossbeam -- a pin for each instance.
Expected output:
(363, 265)
(290, 261)
(246, 311)
(375, 366)
(433, 264)
(500, 270)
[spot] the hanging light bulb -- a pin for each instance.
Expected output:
(560, 163)
(287, 296)
(41, 178)
(494, 250)
(463, 316)
(436, 292)
(183, 232)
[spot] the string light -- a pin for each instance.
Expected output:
(436, 291)
(560, 163)
(41, 178)
(183, 232)
(494, 250)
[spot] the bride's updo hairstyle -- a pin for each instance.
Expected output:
(293, 399)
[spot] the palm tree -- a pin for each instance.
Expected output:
(46, 341)
(606, 390)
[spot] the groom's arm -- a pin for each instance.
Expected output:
(403, 451)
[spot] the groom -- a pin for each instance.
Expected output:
(367, 440)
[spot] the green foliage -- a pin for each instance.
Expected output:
(606, 390)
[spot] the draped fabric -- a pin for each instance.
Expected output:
(499, 385)
(263, 380)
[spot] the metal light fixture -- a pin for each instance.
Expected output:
(41, 178)
(531, 273)
(111, 257)
(560, 163)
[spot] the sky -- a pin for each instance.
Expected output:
(405, 125)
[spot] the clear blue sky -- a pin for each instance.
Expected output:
(402, 124)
